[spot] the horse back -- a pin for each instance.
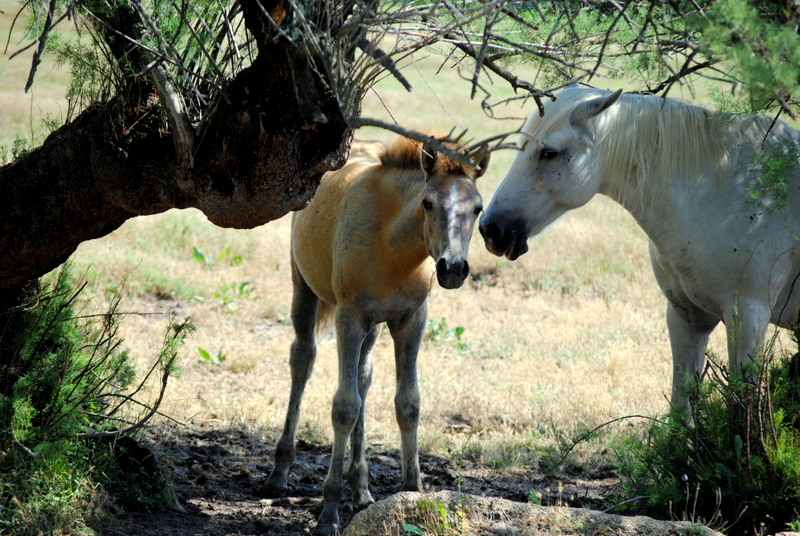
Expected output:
(345, 243)
(331, 213)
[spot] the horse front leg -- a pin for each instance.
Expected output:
(345, 411)
(689, 329)
(305, 307)
(746, 327)
(407, 334)
(358, 471)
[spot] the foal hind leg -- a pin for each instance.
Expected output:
(358, 471)
(305, 307)
(407, 335)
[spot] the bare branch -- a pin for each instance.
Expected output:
(182, 132)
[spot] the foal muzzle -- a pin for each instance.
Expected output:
(451, 275)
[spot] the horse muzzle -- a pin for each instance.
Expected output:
(509, 238)
(451, 275)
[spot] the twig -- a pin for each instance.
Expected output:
(587, 435)
(623, 503)
(25, 449)
(468, 157)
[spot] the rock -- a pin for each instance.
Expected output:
(450, 512)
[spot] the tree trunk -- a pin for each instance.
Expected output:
(260, 152)
(258, 155)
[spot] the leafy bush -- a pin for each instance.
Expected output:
(68, 406)
(738, 465)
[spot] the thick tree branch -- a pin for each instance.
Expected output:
(256, 157)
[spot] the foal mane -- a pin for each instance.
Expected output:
(646, 137)
(404, 154)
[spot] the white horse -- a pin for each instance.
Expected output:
(687, 176)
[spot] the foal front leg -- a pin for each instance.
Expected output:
(346, 408)
(407, 334)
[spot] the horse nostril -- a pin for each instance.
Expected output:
(482, 229)
(465, 269)
(441, 266)
(490, 231)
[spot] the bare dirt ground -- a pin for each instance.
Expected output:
(218, 475)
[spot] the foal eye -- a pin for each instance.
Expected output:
(547, 153)
(427, 205)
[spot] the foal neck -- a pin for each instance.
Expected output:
(404, 234)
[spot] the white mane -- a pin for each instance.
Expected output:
(653, 138)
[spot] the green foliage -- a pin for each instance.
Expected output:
(227, 294)
(19, 147)
(435, 519)
(209, 260)
(207, 357)
(760, 42)
(774, 171)
(66, 392)
(737, 464)
(92, 76)
(413, 529)
(438, 331)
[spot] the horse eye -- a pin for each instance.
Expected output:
(427, 205)
(547, 153)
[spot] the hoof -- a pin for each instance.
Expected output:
(362, 499)
(274, 486)
(327, 527)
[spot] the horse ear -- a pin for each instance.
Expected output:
(586, 110)
(427, 158)
(483, 165)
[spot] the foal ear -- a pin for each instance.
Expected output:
(586, 110)
(482, 165)
(427, 158)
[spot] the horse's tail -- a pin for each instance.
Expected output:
(325, 315)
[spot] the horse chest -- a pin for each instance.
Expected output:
(382, 291)
(690, 278)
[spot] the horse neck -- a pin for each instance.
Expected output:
(662, 184)
(652, 210)
(404, 233)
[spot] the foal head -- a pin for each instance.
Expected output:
(450, 204)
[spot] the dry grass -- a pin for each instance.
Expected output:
(569, 336)
(21, 113)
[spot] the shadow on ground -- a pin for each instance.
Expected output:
(218, 475)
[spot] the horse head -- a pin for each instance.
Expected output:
(554, 172)
(450, 203)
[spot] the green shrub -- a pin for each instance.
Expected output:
(68, 405)
(738, 465)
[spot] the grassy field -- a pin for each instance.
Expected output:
(568, 337)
